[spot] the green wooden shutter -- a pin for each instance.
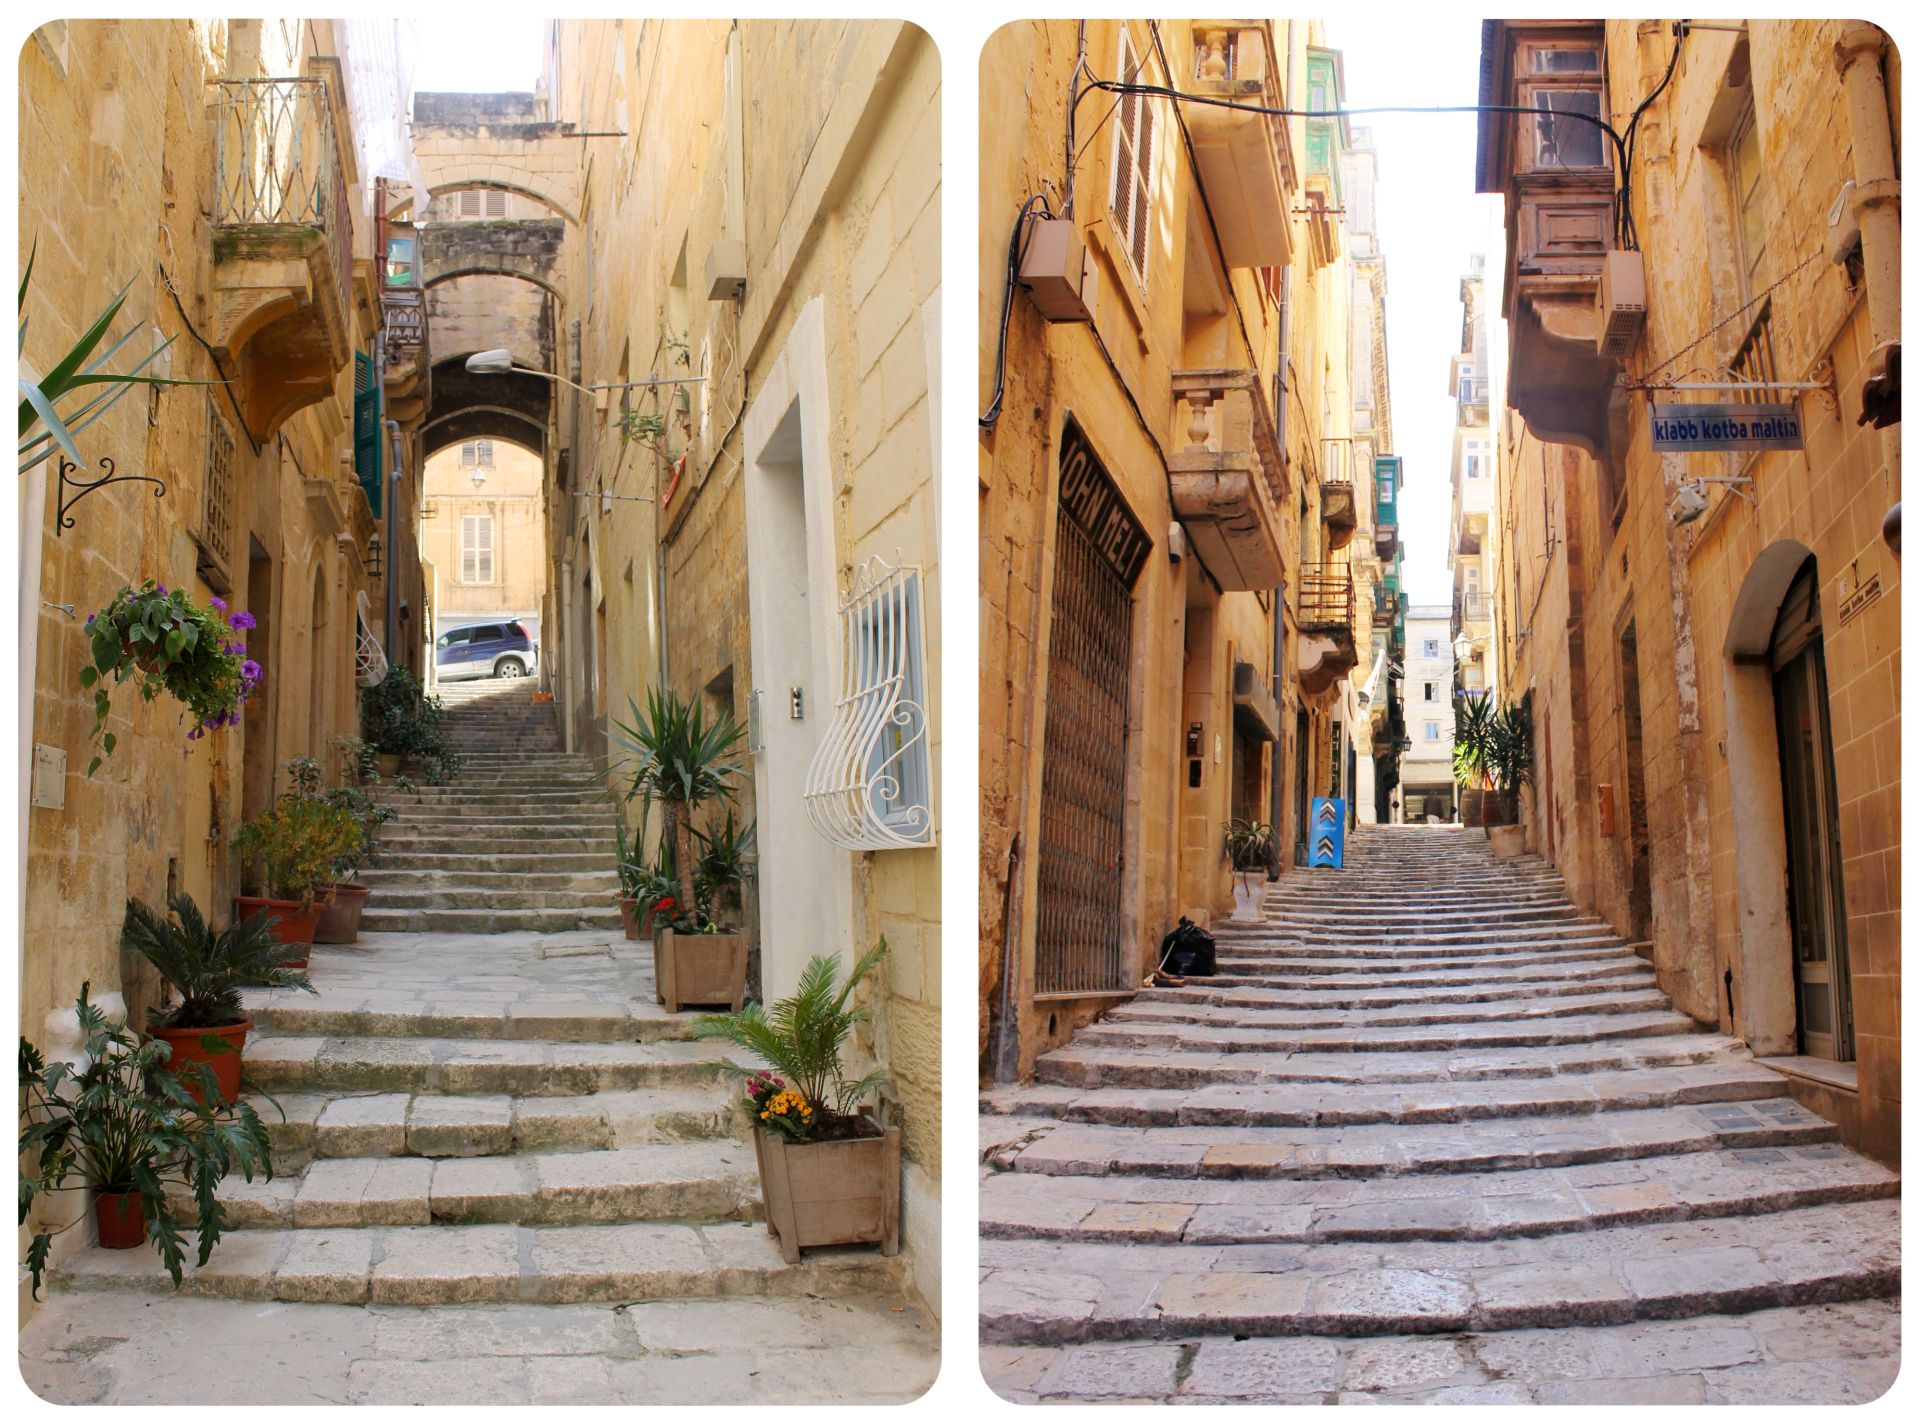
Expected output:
(366, 429)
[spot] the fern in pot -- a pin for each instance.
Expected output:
(119, 1122)
(829, 1172)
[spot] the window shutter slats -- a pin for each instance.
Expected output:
(366, 429)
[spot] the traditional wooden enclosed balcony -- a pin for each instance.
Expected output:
(282, 243)
(1338, 513)
(1324, 613)
(403, 324)
(1245, 160)
(1229, 480)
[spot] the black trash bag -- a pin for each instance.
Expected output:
(1187, 951)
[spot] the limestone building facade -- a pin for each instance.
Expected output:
(483, 530)
(289, 475)
(1473, 536)
(1717, 728)
(1168, 499)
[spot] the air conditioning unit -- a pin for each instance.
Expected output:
(1623, 303)
(1058, 272)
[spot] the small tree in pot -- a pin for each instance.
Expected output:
(683, 759)
(118, 1121)
(299, 842)
(404, 725)
(829, 1173)
(207, 970)
(358, 794)
(1492, 757)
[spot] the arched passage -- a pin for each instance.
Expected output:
(1766, 1000)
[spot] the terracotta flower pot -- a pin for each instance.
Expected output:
(839, 1193)
(290, 925)
(120, 1218)
(187, 1048)
(390, 762)
(700, 969)
(340, 917)
(629, 916)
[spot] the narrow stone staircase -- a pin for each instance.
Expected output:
(1430, 1135)
(483, 1106)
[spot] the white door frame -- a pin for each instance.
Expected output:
(806, 884)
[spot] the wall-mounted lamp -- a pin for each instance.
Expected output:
(479, 477)
(1691, 500)
(371, 563)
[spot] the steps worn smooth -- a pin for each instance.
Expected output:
(1431, 1135)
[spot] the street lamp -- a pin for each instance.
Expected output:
(499, 362)
(1462, 648)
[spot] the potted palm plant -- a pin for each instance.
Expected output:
(407, 727)
(120, 1122)
(683, 759)
(829, 1173)
(1492, 758)
(298, 843)
(207, 970)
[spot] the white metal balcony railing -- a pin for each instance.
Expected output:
(277, 162)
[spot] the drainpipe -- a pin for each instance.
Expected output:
(392, 513)
(1276, 792)
(1876, 207)
(568, 634)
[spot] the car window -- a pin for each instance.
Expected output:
(492, 633)
(456, 637)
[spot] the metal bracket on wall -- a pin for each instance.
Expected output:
(82, 488)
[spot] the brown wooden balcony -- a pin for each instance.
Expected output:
(1229, 480)
(1338, 513)
(1245, 160)
(1324, 614)
(282, 243)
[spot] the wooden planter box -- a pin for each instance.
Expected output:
(700, 969)
(831, 1193)
(1488, 808)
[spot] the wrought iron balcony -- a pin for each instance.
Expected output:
(1245, 160)
(1469, 609)
(1229, 481)
(282, 242)
(1324, 614)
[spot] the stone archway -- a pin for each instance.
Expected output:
(1762, 988)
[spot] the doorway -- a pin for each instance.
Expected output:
(1639, 862)
(1816, 897)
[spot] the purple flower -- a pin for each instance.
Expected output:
(89, 620)
(250, 670)
(218, 602)
(236, 647)
(243, 619)
(160, 588)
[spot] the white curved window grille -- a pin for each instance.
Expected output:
(369, 658)
(870, 786)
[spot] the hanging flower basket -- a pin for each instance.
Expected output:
(165, 642)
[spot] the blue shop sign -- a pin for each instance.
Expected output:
(1690, 428)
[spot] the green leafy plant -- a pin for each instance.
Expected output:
(1492, 746)
(358, 796)
(300, 841)
(119, 1120)
(1249, 843)
(802, 1037)
(725, 861)
(43, 428)
(682, 759)
(208, 969)
(398, 718)
(165, 642)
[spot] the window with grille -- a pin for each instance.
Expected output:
(1744, 175)
(216, 535)
(1133, 163)
(1562, 78)
(1754, 360)
(483, 203)
(476, 548)
(477, 452)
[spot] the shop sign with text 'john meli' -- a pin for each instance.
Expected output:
(1690, 428)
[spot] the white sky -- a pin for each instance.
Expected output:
(482, 52)
(1431, 223)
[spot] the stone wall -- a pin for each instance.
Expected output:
(511, 496)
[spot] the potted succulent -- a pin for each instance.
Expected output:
(406, 727)
(120, 1122)
(207, 970)
(298, 842)
(829, 1173)
(1250, 846)
(165, 642)
(683, 759)
(342, 902)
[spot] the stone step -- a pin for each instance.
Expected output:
(1845, 1353)
(1258, 989)
(1477, 1206)
(306, 1125)
(489, 921)
(381, 877)
(1271, 1008)
(1046, 1145)
(1259, 1105)
(449, 841)
(1291, 950)
(401, 1016)
(1043, 1291)
(1464, 1038)
(1595, 968)
(715, 1180)
(1441, 939)
(393, 898)
(507, 812)
(1089, 1064)
(495, 863)
(445, 1265)
(465, 1066)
